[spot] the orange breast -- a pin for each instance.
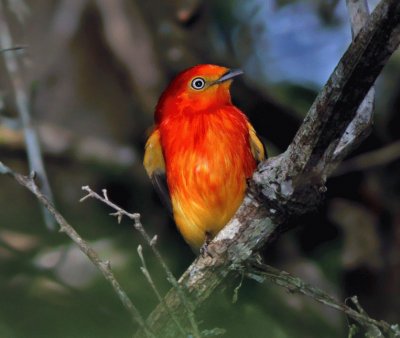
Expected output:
(208, 158)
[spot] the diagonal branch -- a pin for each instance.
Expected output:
(293, 182)
(337, 103)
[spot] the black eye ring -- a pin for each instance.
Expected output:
(198, 83)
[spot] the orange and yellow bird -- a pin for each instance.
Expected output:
(201, 152)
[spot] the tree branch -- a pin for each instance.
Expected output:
(293, 182)
(337, 103)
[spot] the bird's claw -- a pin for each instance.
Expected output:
(204, 252)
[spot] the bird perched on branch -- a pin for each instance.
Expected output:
(201, 152)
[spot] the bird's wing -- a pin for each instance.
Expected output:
(257, 147)
(155, 167)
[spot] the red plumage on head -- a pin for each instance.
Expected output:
(180, 98)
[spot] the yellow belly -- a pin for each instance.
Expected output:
(206, 202)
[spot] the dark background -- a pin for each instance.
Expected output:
(94, 71)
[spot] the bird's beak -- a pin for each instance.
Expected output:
(229, 75)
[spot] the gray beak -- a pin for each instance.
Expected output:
(229, 75)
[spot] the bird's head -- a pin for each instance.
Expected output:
(200, 88)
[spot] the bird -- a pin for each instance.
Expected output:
(201, 152)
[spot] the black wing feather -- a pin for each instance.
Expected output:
(159, 180)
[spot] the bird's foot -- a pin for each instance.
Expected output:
(204, 248)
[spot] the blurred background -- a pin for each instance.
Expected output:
(93, 71)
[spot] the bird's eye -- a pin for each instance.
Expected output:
(198, 83)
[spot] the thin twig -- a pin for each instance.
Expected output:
(14, 48)
(146, 273)
(296, 285)
(23, 107)
(104, 266)
(151, 242)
